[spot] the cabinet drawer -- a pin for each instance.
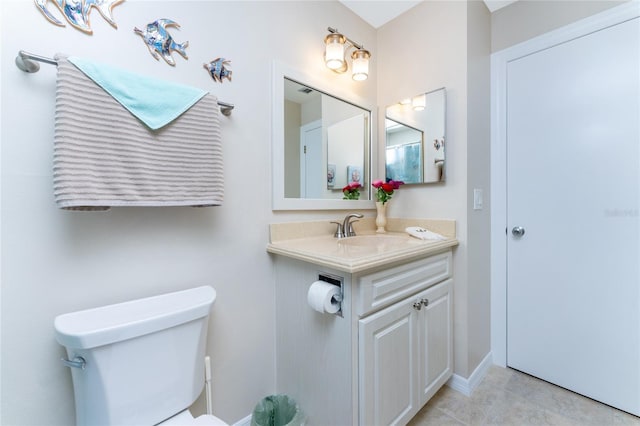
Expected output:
(385, 287)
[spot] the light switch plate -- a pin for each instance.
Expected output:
(477, 199)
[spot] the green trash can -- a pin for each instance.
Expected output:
(277, 410)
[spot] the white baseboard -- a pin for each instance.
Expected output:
(244, 422)
(466, 386)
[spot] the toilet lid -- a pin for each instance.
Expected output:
(185, 418)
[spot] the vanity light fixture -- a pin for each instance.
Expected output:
(418, 103)
(334, 52)
(336, 45)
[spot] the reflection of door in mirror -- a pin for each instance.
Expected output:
(326, 144)
(311, 164)
(347, 157)
(415, 139)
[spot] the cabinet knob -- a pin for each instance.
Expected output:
(425, 302)
(417, 305)
(518, 231)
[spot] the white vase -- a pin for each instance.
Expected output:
(381, 218)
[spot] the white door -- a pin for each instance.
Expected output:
(312, 175)
(573, 278)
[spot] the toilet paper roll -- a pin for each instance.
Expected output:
(324, 297)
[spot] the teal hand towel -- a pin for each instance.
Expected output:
(154, 102)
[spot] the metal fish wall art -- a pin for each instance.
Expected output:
(218, 69)
(159, 41)
(77, 12)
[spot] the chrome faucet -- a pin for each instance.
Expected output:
(347, 225)
(345, 229)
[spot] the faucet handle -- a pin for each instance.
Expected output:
(350, 232)
(346, 225)
(339, 231)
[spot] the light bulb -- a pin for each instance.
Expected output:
(360, 64)
(334, 51)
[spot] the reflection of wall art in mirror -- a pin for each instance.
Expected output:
(331, 175)
(316, 126)
(354, 174)
(415, 139)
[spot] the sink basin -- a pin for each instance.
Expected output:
(375, 240)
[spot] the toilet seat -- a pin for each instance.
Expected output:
(208, 420)
(185, 418)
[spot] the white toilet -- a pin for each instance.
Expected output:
(139, 362)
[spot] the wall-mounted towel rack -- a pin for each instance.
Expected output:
(25, 62)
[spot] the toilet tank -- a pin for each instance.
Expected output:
(144, 359)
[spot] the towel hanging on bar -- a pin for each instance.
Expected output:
(25, 62)
(104, 156)
(154, 102)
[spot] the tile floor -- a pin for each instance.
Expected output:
(509, 397)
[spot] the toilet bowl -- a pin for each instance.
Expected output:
(140, 362)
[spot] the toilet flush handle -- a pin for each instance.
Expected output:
(76, 362)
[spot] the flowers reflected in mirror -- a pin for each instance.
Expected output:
(351, 191)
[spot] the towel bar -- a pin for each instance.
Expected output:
(25, 62)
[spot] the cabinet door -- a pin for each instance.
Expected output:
(436, 340)
(388, 343)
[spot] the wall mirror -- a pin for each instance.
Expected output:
(415, 138)
(321, 142)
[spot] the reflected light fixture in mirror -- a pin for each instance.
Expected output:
(418, 103)
(336, 45)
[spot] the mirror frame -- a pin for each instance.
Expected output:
(279, 72)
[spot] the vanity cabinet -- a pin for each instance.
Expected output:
(383, 357)
(405, 356)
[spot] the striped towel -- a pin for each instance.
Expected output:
(104, 156)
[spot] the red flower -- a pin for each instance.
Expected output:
(351, 191)
(396, 183)
(388, 188)
(384, 190)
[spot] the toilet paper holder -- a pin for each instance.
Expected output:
(337, 281)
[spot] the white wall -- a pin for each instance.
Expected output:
(478, 177)
(525, 19)
(446, 44)
(56, 261)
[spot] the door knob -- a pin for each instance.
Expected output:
(417, 305)
(517, 231)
